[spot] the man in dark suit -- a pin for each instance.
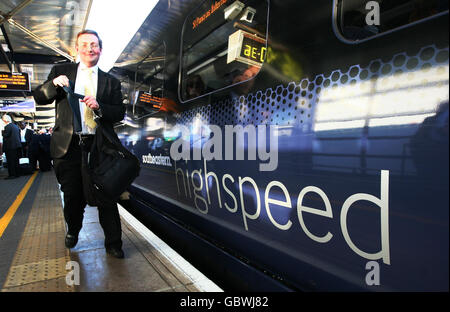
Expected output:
(12, 146)
(26, 135)
(44, 157)
(74, 125)
(33, 150)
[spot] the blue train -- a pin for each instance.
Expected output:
(294, 145)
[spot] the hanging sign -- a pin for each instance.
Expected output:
(14, 82)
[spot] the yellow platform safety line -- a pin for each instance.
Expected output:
(7, 217)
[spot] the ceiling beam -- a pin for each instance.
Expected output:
(5, 58)
(5, 35)
(14, 11)
(18, 8)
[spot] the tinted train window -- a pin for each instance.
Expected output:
(148, 91)
(223, 43)
(362, 19)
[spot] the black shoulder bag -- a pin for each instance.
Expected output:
(108, 168)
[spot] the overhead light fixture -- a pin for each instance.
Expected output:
(233, 10)
(116, 24)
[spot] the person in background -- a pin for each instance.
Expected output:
(45, 163)
(25, 138)
(194, 87)
(2, 127)
(33, 150)
(245, 75)
(75, 125)
(11, 146)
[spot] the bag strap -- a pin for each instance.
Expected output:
(113, 139)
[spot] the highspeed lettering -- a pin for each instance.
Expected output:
(197, 184)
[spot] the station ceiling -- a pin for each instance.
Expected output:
(35, 35)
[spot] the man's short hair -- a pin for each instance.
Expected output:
(92, 32)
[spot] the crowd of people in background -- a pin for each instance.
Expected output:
(22, 149)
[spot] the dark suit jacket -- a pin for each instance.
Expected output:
(109, 98)
(11, 137)
(28, 135)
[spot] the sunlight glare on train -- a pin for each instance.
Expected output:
(392, 100)
(116, 22)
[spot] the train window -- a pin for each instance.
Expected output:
(223, 43)
(147, 95)
(358, 20)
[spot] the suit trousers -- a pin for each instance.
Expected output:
(12, 158)
(68, 173)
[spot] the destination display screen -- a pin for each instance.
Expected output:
(148, 100)
(253, 49)
(246, 48)
(14, 82)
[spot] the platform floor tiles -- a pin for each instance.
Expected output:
(43, 264)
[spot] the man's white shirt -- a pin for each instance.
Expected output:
(22, 134)
(82, 79)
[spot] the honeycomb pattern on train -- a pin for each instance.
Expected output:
(294, 103)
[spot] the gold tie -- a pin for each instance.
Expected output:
(89, 90)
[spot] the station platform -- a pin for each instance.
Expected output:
(33, 257)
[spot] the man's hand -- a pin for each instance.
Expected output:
(90, 102)
(61, 81)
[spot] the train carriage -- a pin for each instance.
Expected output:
(294, 145)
